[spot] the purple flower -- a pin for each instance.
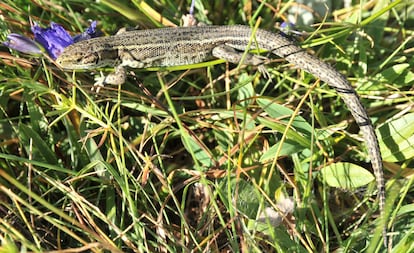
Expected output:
(91, 32)
(23, 44)
(288, 28)
(54, 38)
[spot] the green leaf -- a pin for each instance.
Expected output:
(247, 196)
(289, 147)
(346, 175)
(377, 20)
(8, 246)
(224, 138)
(283, 113)
(390, 74)
(200, 151)
(246, 90)
(386, 76)
(397, 139)
(283, 239)
(39, 149)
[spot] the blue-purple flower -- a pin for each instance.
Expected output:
(53, 39)
(23, 44)
(90, 33)
(288, 28)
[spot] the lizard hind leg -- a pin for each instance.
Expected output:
(232, 55)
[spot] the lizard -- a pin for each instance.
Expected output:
(175, 46)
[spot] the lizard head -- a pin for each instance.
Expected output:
(85, 55)
(75, 58)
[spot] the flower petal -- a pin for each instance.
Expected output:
(23, 44)
(54, 38)
(91, 32)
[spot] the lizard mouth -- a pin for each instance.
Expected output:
(69, 61)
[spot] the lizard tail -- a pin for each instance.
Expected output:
(336, 80)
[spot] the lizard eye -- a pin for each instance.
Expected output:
(89, 59)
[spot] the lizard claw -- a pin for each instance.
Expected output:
(99, 82)
(118, 77)
(262, 69)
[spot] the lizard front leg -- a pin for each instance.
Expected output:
(125, 58)
(115, 78)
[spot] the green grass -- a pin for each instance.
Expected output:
(180, 160)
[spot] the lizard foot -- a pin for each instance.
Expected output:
(116, 78)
